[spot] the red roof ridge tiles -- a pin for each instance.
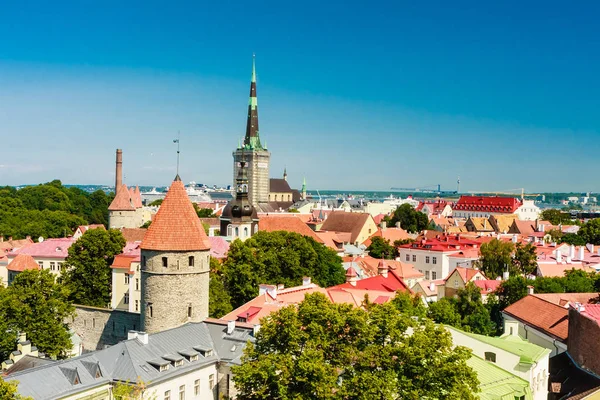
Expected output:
(22, 262)
(122, 200)
(176, 226)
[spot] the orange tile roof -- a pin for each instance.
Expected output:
(550, 318)
(122, 201)
(176, 226)
(133, 234)
(138, 198)
(22, 262)
(391, 234)
(466, 274)
(272, 223)
(553, 270)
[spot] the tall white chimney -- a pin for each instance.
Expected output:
(558, 256)
(572, 251)
(230, 327)
(581, 253)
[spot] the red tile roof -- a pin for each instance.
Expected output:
(487, 285)
(391, 234)
(122, 201)
(592, 311)
(272, 223)
(133, 234)
(218, 247)
(138, 198)
(392, 283)
(176, 226)
(467, 273)
(487, 204)
(543, 315)
(22, 262)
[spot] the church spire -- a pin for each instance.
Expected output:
(252, 139)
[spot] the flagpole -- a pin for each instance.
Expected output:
(177, 141)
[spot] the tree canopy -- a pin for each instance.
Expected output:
(38, 306)
(50, 210)
(555, 217)
(278, 258)
(410, 219)
(381, 248)
(8, 391)
(495, 257)
(590, 231)
(335, 351)
(86, 270)
(219, 302)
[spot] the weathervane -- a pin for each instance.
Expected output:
(177, 141)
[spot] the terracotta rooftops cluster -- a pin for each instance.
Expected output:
(176, 226)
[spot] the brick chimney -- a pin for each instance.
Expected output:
(119, 170)
(382, 269)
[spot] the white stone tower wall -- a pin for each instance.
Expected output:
(171, 290)
(258, 174)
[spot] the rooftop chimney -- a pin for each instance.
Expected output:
(270, 289)
(142, 337)
(581, 253)
(572, 251)
(306, 281)
(383, 225)
(432, 286)
(119, 170)
(558, 256)
(132, 335)
(382, 269)
(529, 289)
(230, 327)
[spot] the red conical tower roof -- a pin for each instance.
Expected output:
(122, 200)
(176, 226)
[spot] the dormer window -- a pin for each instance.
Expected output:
(194, 358)
(179, 363)
(164, 368)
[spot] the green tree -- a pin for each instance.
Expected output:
(574, 239)
(219, 300)
(156, 203)
(525, 259)
(409, 304)
(336, 351)
(444, 311)
(555, 235)
(278, 258)
(381, 248)
(146, 225)
(555, 217)
(410, 219)
(86, 270)
(578, 281)
(548, 285)
(38, 306)
(8, 391)
(495, 257)
(511, 290)
(475, 317)
(590, 231)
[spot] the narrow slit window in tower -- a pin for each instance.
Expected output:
(164, 262)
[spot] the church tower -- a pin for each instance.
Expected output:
(175, 262)
(239, 219)
(256, 155)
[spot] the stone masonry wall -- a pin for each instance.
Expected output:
(125, 219)
(171, 291)
(99, 327)
(583, 343)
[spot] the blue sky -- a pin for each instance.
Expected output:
(351, 95)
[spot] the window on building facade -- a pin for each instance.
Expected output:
(182, 392)
(126, 278)
(490, 356)
(52, 266)
(168, 395)
(41, 264)
(414, 258)
(407, 257)
(190, 311)
(197, 387)
(137, 284)
(211, 381)
(433, 275)
(137, 305)
(427, 275)
(426, 259)
(150, 309)
(456, 283)
(143, 262)
(164, 262)
(434, 260)
(191, 261)
(126, 298)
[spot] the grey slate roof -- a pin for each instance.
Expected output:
(131, 360)
(278, 185)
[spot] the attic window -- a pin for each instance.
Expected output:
(178, 363)
(490, 356)
(164, 367)
(194, 357)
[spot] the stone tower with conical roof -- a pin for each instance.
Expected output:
(255, 154)
(175, 265)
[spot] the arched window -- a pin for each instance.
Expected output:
(245, 231)
(237, 231)
(191, 261)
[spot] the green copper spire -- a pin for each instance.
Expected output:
(303, 192)
(252, 139)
